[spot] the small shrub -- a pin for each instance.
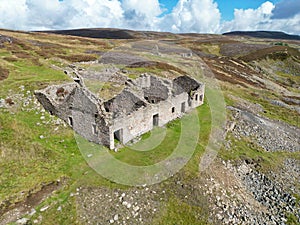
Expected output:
(9, 101)
(281, 44)
(79, 58)
(3, 73)
(10, 59)
(60, 91)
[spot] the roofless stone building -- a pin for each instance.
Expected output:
(145, 102)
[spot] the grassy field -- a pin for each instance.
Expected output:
(169, 143)
(181, 213)
(36, 149)
(36, 152)
(262, 97)
(29, 162)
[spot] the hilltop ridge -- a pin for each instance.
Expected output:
(264, 34)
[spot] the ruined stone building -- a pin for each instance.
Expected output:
(145, 102)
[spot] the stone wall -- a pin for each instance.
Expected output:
(135, 111)
(123, 104)
(184, 84)
(142, 120)
(54, 97)
(82, 112)
(80, 109)
(156, 92)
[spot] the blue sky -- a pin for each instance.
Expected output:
(178, 16)
(226, 6)
(169, 4)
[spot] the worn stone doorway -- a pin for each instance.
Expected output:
(155, 120)
(183, 107)
(118, 135)
(71, 121)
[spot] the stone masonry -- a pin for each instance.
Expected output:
(145, 102)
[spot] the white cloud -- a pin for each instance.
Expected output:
(141, 14)
(12, 14)
(46, 13)
(250, 19)
(187, 16)
(54, 14)
(290, 25)
(201, 16)
(286, 9)
(261, 19)
(192, 16)
(93, 13)
(149, 8)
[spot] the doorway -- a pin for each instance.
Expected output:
(70, 121)
(201, 98)
(118, 135)
(183, 107)
(155, 120)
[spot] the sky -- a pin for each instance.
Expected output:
(178, 16)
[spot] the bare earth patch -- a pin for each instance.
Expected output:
(3, 73)
(10, 213)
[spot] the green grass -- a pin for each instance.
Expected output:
(211, 48)
(292, 219)
(143, 158)
(95, 85)
(246, 150)
(29, 161)
(177, 212)
(290, 81)
(31, 76)
(133, 76)
(104, 90)
(67, 215)
(140, 70)
(263, 98)
(4, 53)
(192, 167)
(279, 113)
(169, 143)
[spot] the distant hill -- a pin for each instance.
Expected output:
(95, 33)
(113, 33)
(265, 34)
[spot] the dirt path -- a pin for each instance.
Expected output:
(13, 213)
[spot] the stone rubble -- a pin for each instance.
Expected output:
(270, 135)
(108, 206)
(269, 195)
(25, 101)
(267, 201)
